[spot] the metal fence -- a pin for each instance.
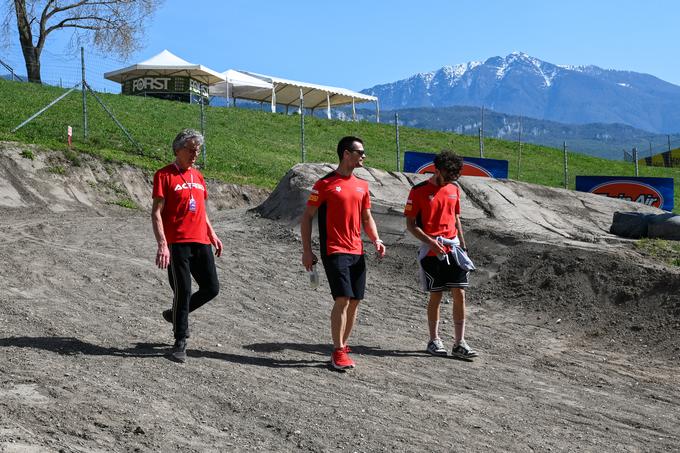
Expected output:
(76, 78)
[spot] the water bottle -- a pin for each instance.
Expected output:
(314, 277)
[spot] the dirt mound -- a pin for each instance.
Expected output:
(32, 177)
(578, 342)
(507, 207)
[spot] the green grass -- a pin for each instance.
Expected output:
(126, 203)
(27, 154)
(667, 251)
(258, 147)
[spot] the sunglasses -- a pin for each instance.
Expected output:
(361, 152)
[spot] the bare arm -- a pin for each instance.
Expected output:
(419, 234)
(372, 231)
(308, 256)
(163, 253)
(214, 240)
(459, 227)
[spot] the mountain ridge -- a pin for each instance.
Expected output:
(520, 84)
(607, 141)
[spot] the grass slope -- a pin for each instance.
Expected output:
(256, 147)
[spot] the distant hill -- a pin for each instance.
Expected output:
(596, 139)
(519, 84)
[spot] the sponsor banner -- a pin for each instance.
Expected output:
(666, 159)
(657, 192)
(158, 84)
(417, 162)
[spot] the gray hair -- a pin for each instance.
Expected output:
(186, 135)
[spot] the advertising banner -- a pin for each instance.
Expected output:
(417, 162)
(666, 159)
(156, 84)
(657, 192)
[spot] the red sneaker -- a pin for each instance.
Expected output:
(340, 360)
(347, 349)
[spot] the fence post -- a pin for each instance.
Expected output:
(84, 86)
(519, 140)
(201, 99)
(566, 167)
(396, 128)
(635, 161)
(302, 125)
(481, 136)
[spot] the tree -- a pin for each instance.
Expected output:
(108, 25)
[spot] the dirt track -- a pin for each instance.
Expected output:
(579, 347)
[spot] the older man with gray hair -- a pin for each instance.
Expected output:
(184, 235)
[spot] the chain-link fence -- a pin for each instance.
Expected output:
(112, 123)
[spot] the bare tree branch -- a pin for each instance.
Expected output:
(109, 25)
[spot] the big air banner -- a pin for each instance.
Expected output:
(657, 192)
(417, 162)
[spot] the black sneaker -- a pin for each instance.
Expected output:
(436, 347)
(179, 351)
(463, 351)
(167, 315)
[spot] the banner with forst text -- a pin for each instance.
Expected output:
(657, 192)
(418, 162)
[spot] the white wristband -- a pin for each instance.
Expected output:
(378, 241)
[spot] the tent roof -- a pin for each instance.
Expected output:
(241, 86)
(288, 92)
(166, 64)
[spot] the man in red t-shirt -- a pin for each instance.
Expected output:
(343, 204)
(433, 217)
(184, 235)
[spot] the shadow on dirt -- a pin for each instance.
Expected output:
(325, 349)
(74, 346)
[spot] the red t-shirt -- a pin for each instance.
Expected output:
(435, 208)
(341, 200)
(179, 223)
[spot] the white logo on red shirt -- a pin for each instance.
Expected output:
(187, 185)
(338, 188)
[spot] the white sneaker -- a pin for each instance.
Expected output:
(463, 351)
(436, 347)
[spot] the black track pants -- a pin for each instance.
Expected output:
(187, 260)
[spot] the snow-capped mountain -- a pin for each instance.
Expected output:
(523, 85)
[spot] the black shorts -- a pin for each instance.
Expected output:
(346, 275)
(440, 275)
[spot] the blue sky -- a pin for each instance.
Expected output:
(357, 44)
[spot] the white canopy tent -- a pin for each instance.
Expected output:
(166, 64)
(276, 90)
(238, 85)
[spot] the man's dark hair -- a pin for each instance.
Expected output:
(449, 163)
(347, 143)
